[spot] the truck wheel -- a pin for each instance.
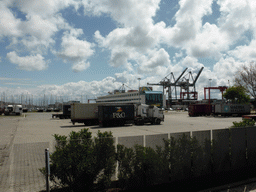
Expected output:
(158, 121)
(89, 123)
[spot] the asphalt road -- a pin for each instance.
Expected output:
(24, 138)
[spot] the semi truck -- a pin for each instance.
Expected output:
(115, 114)
(13, 110)
(137, 114)
(86, 113)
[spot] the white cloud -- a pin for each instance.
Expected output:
(80, 66)
(28, 63)
(211, 42)
(44, 8)
(225, 70)
(9, 25)
(92, 89)
(245, 53)
(75, 50)
(138, 34)
(41, 22)
(190, 62)
(188, 22)
(128, 79)
(39, 32)
(126, 12)
(156, 62)
(236, 17)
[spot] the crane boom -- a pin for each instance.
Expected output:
(180, 76)
(198, 75)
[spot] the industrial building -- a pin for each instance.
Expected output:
(145, 96)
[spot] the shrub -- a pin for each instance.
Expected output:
(140, 166)
(178, 155)
(79, 161)
(244, 123)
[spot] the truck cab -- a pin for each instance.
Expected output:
(13, 110)
(148, 114)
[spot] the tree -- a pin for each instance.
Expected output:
(237, 94)
(246, 77)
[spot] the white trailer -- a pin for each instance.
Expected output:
(148, 114)
(86, 113)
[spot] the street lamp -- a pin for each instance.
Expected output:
(210, 82)
(139, 88)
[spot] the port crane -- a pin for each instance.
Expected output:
(183, 82)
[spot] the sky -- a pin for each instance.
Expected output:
(86, 48)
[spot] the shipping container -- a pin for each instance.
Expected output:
(219, 109)
(200, 109)
(231, 109)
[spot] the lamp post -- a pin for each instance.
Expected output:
(139, 88)
(210, 82)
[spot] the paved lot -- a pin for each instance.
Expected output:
(24, 139)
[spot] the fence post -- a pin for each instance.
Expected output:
(47, 169)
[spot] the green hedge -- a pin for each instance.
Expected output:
(83, 163)
(79, 161)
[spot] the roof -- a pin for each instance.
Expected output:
(153, 92)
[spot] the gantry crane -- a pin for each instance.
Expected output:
(172, 83)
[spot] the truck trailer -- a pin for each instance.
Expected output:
(86, 113)
(223, 109)
(232, 109)
(200, 109)
(115, 114)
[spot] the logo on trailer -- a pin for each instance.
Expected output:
(119, 113)
(119, 109)
(226, 108)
